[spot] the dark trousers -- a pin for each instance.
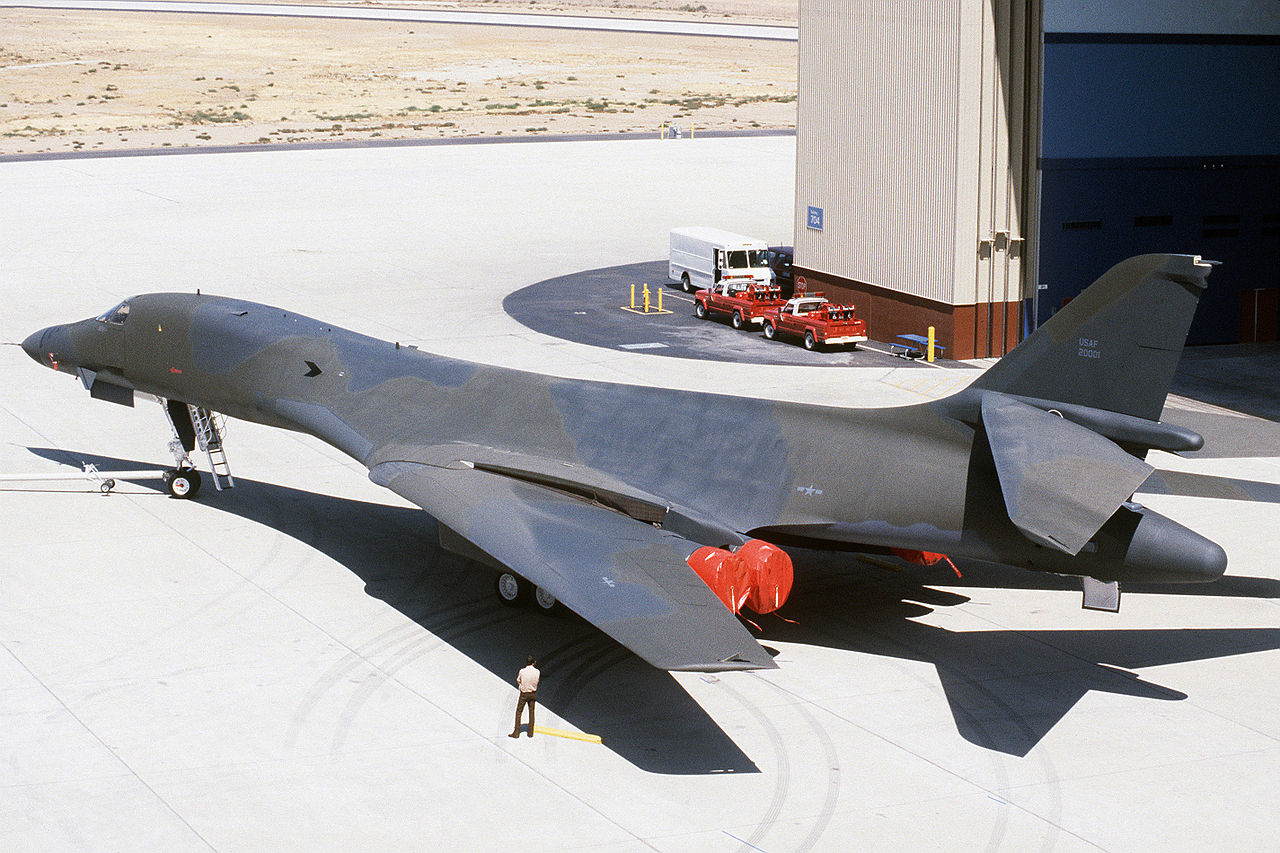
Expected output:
(530, 699)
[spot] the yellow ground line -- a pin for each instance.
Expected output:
(543, 730)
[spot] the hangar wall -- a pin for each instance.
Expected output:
(915, 158)
(1161, 133)
(974, 164)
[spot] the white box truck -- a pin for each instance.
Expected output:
(701, 257)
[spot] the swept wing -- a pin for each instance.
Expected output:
(626, 577)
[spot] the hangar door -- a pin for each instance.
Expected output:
(1008, 145)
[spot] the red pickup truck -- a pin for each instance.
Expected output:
(744, 303)
(815, 321)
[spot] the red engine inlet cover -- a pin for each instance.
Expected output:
(771, 575)
(758, 576)
(724, 572)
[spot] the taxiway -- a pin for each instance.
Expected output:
(294, 664)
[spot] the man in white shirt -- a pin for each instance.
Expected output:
(527, 682)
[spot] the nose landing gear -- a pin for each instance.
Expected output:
(193, 426)
(182, 483)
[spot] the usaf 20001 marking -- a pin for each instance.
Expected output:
(554, 482)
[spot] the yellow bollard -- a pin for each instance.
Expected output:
(931, 340)
(659, 300)
(646, 299)
(633, 297)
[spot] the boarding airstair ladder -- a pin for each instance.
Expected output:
(209, 439)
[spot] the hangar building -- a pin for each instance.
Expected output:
(974, 164)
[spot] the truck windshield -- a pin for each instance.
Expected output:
(737, 260)
(758, 257)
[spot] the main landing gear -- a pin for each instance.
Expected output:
(513, 591)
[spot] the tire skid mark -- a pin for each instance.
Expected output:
(599, 653)
(420, 646)
(998, 763)
(605, 661)
(342, 667)
(830, 757)
(918, 652)
(782, 767)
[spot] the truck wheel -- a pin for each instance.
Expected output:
(699, 310)
(769, 331)
(810, 342)
(685, 284)
(736, 320)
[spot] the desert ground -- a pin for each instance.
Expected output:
(78, 80)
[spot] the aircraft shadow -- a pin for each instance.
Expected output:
(1006, 689)
(1162, 482)
(641, 713)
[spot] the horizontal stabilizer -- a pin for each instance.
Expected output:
(627, 577)
(1061, 482)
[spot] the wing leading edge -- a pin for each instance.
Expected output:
(628, 578)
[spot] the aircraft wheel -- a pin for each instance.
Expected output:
(546, 602)
(699, 310)
(685, 284)
(183, 483)
(769, 331)
(736, 320)
(512, 589)
(810, 342)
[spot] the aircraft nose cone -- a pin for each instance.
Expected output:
(32, 346)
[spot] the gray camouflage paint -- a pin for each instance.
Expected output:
(710, 469)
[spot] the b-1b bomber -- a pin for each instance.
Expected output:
(554, 481)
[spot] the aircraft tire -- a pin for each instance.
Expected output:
(511, 589)
(810, 342)
(685, 284)
(769, 331)
(699, 310)
(546, 602)
(736, 320)
(183, 483)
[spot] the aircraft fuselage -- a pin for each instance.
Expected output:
(716, 468)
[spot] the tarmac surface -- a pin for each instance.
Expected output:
(295, 665)
(596, 307)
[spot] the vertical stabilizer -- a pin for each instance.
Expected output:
(1114, 347)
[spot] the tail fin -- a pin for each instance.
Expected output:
(1114, 347)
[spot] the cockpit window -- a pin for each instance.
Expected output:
(116, 316)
